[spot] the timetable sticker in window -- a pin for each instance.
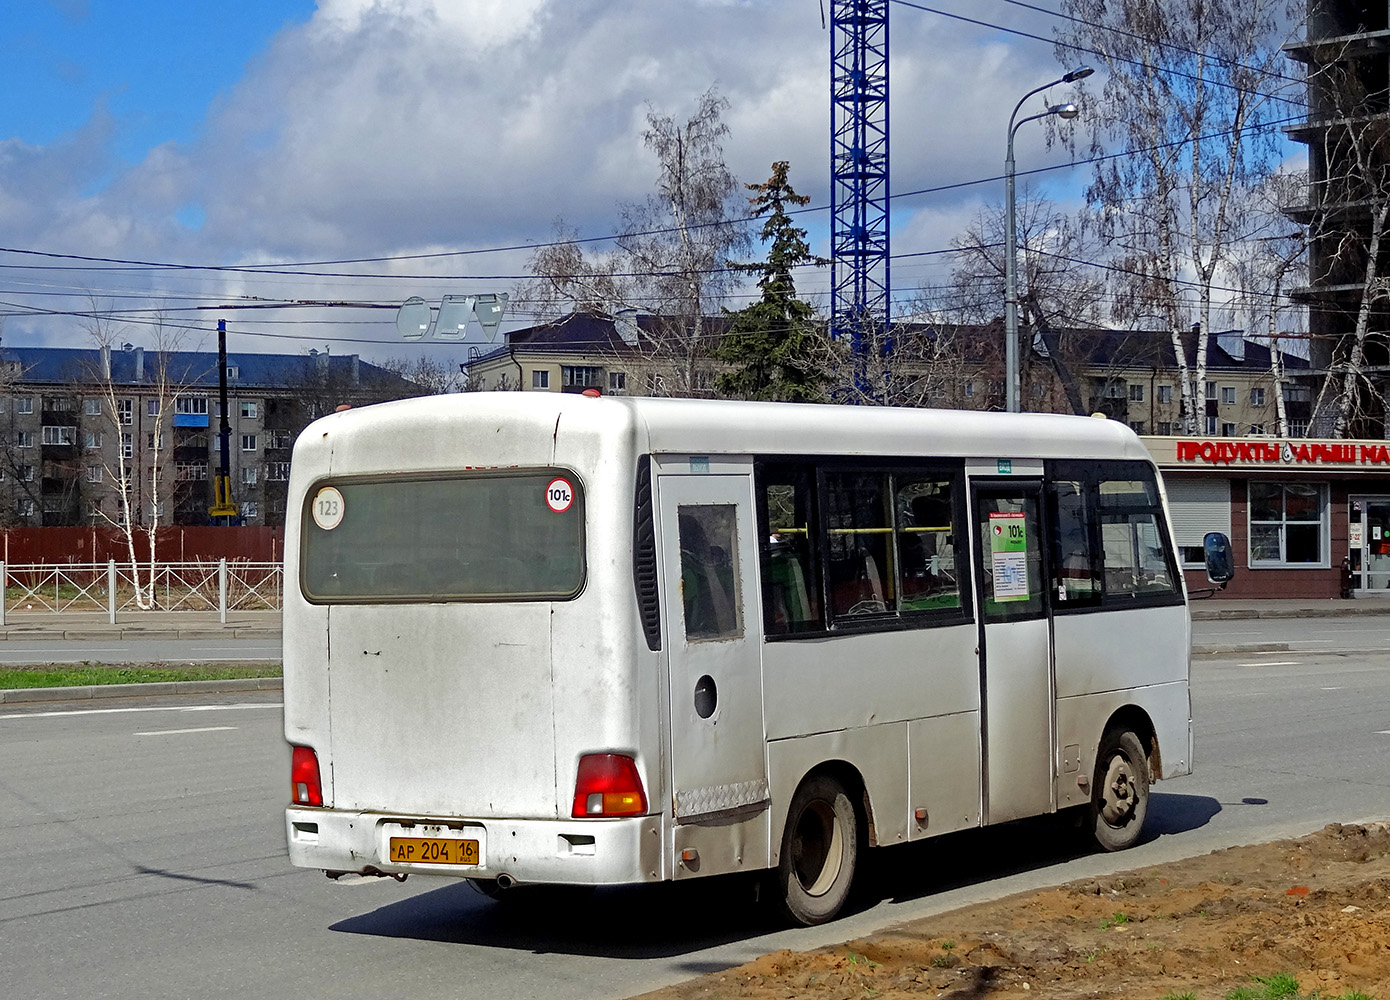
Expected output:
(559, 495)
(1008, 545)
(328, 508)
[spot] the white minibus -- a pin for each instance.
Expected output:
(552, 638)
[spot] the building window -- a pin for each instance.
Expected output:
(1257, 429)
(1165, 394)
(127, 446)
(26, 473)
(94, 473)
(1228, 430)
(580, 376)
(1211, 425)
(59, 434)
(1211, 391)
(1039, 390)
(152, 407)
(1137, 426)
(190, 471)
(59, 404)
(1165, 427)
(1298, 428)
(1288, 524)
(91, 406)
(617, 381)
(233, 372)
(248, 411)
(1298, 394)
(94, 508)
(248, 510)
(970, 389)
(1114, 391)
(540, 379)
(24, 439)
(248, 475)
(125, 411)
(26, 508)
(1136, 392)
(1257, 396)
(191, 404)
(1228, 394)
(248, 442)
(277, 472)
(153, 440)
(24, 404)
(92, 440)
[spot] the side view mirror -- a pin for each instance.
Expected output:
(1220, 560)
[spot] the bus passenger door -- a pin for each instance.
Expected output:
(1016, 651)
(709, 588)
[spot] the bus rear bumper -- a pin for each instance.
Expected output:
(567, 852)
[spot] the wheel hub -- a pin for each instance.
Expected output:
(1117, 792)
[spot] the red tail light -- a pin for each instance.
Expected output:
(305, 787)
(608, 785)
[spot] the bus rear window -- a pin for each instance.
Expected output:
(471, 537)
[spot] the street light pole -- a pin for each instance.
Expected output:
(1011, 363)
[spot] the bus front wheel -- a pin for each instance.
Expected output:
(820, 850)
(1120, 798)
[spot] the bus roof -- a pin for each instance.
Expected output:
(738, 427)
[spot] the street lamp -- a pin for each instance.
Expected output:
(1066, 111)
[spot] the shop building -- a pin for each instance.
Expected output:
(1306, 518)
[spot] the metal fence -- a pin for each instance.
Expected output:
(220, 585)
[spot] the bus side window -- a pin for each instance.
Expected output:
(1136, 561)
(926, 535)
(791, 591)
(1074, 562)
(709, 579)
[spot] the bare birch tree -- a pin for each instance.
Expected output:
(139, 469)
(1188, 87)
(669, 259)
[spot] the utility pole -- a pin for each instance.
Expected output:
(223, 510)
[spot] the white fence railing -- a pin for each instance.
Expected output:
(110, 587)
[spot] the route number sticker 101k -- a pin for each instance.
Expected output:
(328, 508)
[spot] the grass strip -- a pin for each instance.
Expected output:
(43, 675)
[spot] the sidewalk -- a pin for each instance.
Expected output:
(82, 625)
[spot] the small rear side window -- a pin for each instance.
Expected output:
(493, 536)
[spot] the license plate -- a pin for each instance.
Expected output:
(433, 851)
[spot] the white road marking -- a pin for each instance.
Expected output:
(151, 708)
(1334, 689)
(180, 732)
(1271, 663)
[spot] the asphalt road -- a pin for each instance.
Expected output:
(146, 857)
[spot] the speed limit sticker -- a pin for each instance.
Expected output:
(559, 495)
(328, 508)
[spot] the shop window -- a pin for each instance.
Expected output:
(1288, 524)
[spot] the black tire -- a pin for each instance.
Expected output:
(820, 851)
(1120, 795)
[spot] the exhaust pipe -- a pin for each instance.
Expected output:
(505, 881)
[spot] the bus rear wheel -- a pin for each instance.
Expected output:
(820, 851)
(1120, 797)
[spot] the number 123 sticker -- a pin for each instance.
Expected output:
(328, 508)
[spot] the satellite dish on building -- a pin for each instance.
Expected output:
(413, 319)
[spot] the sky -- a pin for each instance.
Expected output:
(280, 132)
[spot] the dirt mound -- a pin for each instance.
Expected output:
(1314, 908)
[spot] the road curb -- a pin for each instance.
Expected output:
(106, 692)
(138, 632)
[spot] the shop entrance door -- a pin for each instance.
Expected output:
(1370, 564)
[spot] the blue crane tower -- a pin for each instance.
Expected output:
(859, 287)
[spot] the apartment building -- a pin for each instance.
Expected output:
(75, 424)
